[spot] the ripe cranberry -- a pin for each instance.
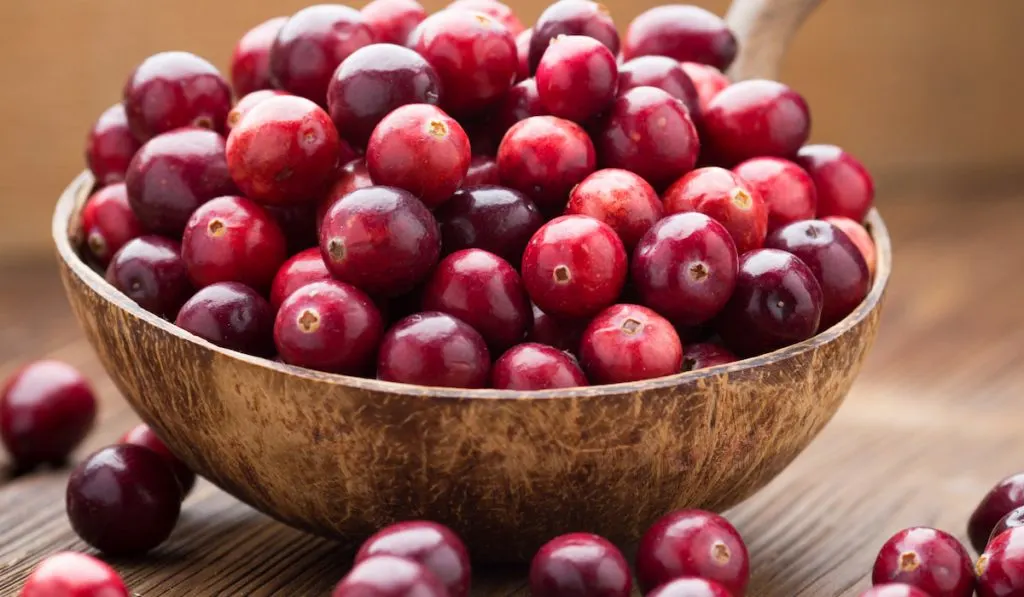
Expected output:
(785, 187)
(928, 559)
(381, 240)
(474, 54)
(245, 105)
(620, 199)
(574, 266)
(230, 315)
(298, 223)
(483, 170)
(690, 587)
(110, 146)
(108, 222)
(665, 74)
(492, 218)
(545, 157)
(1000, 569)
(725, 197)
(174, 174)
(572, 17)
(756, 118)
(434, 349)
(577, 77)
(579, 565)
(434, 546)
(532, 367)
(860, 237)
(649, 132)
(523, 51)
(520, 103)
(777, 302)
(564, 334)
(301, 269)
(250, 63)
(708, 80)
(683, 32)
(70, 574)
(123, 500)
(353, 176)
(1007, 495)
(149, 270)
(390, 576)
(629, 343)
(391, 21)
(693, 543)
(492, 8)
(1011, 521)
(143, 435)
(173, 90)
(845, 187)
(704, 355)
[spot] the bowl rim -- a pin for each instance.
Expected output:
(73, 198)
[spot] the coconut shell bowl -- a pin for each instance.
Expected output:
(343, 456)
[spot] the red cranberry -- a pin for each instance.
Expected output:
(483, 170)
(756, 118)
(928, 559)
(520, 103)
(649, 132)
(173, 90)
(574, 266)
(298, 223)
(523, 51)
(577, 77)
(434, 546)
(708, 80)
(70, 574)
(492, 8)
(545, 157)
(353, 176)
(683, 32)
(785, 187)
(532, 367)
(1000, 569)
(143, 435)
(693, 543)
(704, 355)
(110, 146)
(250, 63)
(1011, 521)
(572, 17)
(690, 587)
(393, 20)
(174, 174)
(579, 565)
(629, 343)
(665, 74)
(860, 237)
(245, 105)
(777, 302)
(390, 576)
(381, 240)
(123, 500)
(230, 315)
(563, 334)
(492, 218)
(620, 199)
(46, 410)
(231, 239)
(1007, 495)
(149, 270)
(434, 349)
(302, 268)
(894, 590)
(108, 222)
(845, 187)
(725, 197)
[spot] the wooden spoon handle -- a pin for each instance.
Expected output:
(764, 29)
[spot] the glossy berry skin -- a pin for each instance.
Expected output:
(627, 343)
(436, 350)
(561, 333)
(894, 590)
(391, 21)
(704, 355)
(142, 435)
(493, 218)
(46, 410)
(352, 177)
(302, 268)
(1011, 521)
(389, 576)
(777, 302)
(434, 546)
(572, 17)
(665, 74)
(845, 187)
(683, 32)
(71, 574)
(931, 560)
(579, 565)
(787, 190)
(1000, 569)
(523, 50)
(725, 197)
(860, 237)
(150, 271)
(123, 500)
(545, 157)
(574, 267)
(620, 199)
(108, 222)
(693, 543)
(110, 146)
(577, 77)
(246, 104)
(250, 62)
(520, 103)
(492, 8)
(421, 149)
(232, 239)
(173, 90)
(685, 268)
(708, 80)
(232, 316)
(650, 133)
(531, 367)
(381, 240)
(756, 118)
(1005, 496)
(483, 170)
(690, 587)
(175, 173)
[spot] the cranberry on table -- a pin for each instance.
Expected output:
(579, 565)
(434, 349)
(577, 77)
(521, 102)
(492, 8)
(71, 574)
(232, 316)
(1005, 496)
(523, 51)
(756, 118)
(665, 74)
(108, 222)
(390, 576)
(845, 187)
(250, 62)
(352, 177)
(142, 435)
(704, 355)
(683, 32)
(691, 587)
(629, 343)
(246, 104)
(562, 333)
(725, 197)
(929, 559)
(860, 237)
(110, 146)
(492, 218)
(894, 590)
(532, 367)
(391, 21)
(785, 187)
(572, 17)
(1000, 569)
(545, 157)
(1011, 521)
(708, 80)
(483, 170)
(301, 269)
(620, 199)
(149, 270)
(434, 546)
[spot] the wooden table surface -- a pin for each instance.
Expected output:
(932, 422)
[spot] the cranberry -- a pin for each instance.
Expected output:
(572, 17)
(1007, 495)
(298, 224)
(474, 54)
(685, 268)
(230, 315)
(434, 349)
(353, 176)
(563, 334)
(1000, 569)
(123, 500)
(577, 77)
(302, 268)
(786, 188)
(683, 32)
(579, 565)
(492, 8)
(493, 218)
(777, 302)
(704, 355)
(421, 149)
(845, 187)
(894, 590)
(381, 240)
(545, 157)
(231, 239)
(245, 105)
(149, 270)
(434, 546)
(629, 343)
(756, 118)
(928, 559)
(1011, 521)
(665, 74)
(620, 199)
(708, 80)
(70, 574)
(250, 63)
(693, 543)
(390, 576)
(143, 435)
(860, 237)
(520, 103)
(691, 587)
(108, 222)
(729, 199)
(174, 174)
(483, 170)
(649, 132)
(393, 20)
(523, 51)
(110, 146)
(532, 367)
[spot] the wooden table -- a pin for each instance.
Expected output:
(933, 421)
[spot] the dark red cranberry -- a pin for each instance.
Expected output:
(786, 188)
(564, 334)
(302, 268)
(245, 105)
(520, 103)
(492, 218)
(1000, 569)
(894, 590)
(1005, 496)
(545, 157)
(483, 170)
(725, 197)
(108, 222)
(46, 410)
(629, 343)
(123, 500)
(390, 576)
(174, 174)
(574, 266)
(143, 435)
(580, 565)
(71, 574)
(691, 587)
(532, 367)
(931, 560)
(250, 63)
(685, 268)
(393, 20)
(523, 51)
(860, 237)
(149, 270)
(756, 118)
(704, 355)
(110, 146)
(353, 176)
(777, 302)
(1011, 521)
(693, 543)
(173, 90)
(708, 80)
(665, 74)
(683, 32)
(298, 223)
(845, 187)
(577, 77)
(474, 54)
(232, 316)
(492, 8)
(231, 239)
(620, 199)
(434, 546)
(434, 349)
(649, 132)
(572, 17)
